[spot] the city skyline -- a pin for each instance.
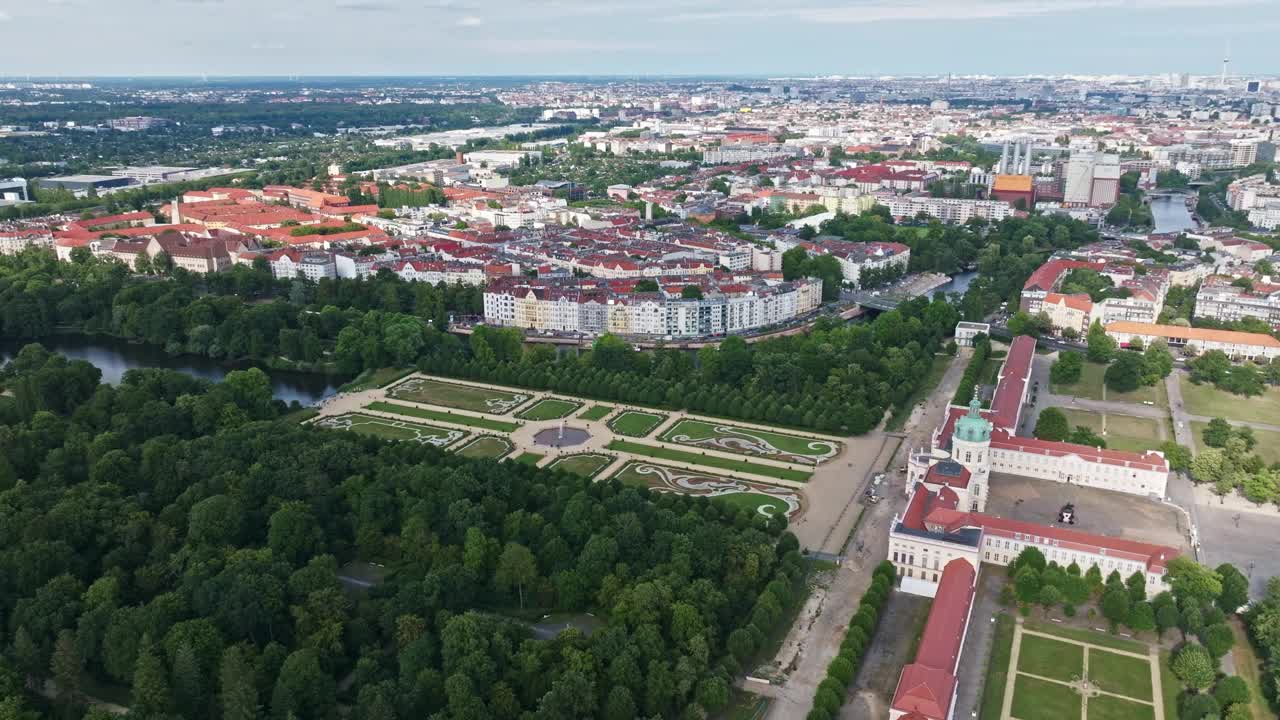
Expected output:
(663, 37)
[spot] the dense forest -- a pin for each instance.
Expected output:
(1005, 254)
(839, 378)
(172, 545)
(240, 314)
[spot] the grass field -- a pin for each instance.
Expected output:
(1087, 636)
(549, 409)
(595, 412)
(998, 669)
(389, 429)
(370, 379)
(664, 478)
(1090, 386)
(1268, 447)
(1035, 699)
(1106, 707)
(1170, 685)
(463, 397)
(1119, 674)
(442, 416)
(1124, 432)
(636, 424)
(710, 461)
(1249, 667)
(486, 446)
(749, 441)
(753, 502)
(587, 465)
(1050, 658)
(1212, 402)
(529, 458)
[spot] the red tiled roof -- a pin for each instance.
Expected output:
(925, 691)
(1014, 375)
(1075, 301)
(944, 631)
(1046, 276)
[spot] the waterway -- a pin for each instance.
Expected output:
(116, 357)
(1171, 215)
(959, 283)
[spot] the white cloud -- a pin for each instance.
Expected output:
(874, 11)
(470, 21)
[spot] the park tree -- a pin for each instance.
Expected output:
(1050, 596)
(516, 566)
(1027, 585)
(1189, 579)
(66, 667)
(151, 695)
(1167, 617)
(1067, 368)
(1142, 617)
(1230, 690)
(238, 692)
(1235, 589)
(1115, 605)
(1217, 639)
(1101, 346)
(1125, 373)
(1178, 456)
(1194, 667)
(1157, 362)
(302, 689)
(1217, 433)
(1052, 425)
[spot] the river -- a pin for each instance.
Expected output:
(959, 283)
(115, 357)
(1171, 215)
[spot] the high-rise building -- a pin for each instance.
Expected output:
(1092, 178)
(1244, 151)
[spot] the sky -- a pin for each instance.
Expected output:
(635, 37)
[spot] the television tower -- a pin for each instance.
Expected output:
(1226, 60)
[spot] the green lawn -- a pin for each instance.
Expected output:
(1268, 447)
(753, 502)
(1124, 432)
(301, 416)
(529, 458)
(549, 409)
(1249, 667)
(389, 429)
(1106, 707)
(1050, 658)
(710, 461)
(1091, 386)
(596, 412)
(1170, 686)
(636, 424)
(370, 379)
(1035, 699)
(586, 465)
(463, 397)
(1120, 674)
(1089, 636)
(486, 446)
(998, 669)
(443, 416)
(749, 441)
(1209, 401)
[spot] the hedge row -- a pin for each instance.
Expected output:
(973, 373)
(840, 673)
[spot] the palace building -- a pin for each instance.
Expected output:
(939, 541)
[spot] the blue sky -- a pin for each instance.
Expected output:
(748, 37)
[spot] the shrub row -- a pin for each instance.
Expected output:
(840, 673)
(973, 373)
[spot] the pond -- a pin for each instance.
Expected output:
(116, 357)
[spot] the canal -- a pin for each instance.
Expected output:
(1170, 214)
(116, 357)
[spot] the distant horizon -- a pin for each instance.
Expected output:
(811, 77)
(685, 38)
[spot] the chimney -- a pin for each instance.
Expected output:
(175, 215)
(648, 210)
(458, 157)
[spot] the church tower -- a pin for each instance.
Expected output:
(971, 447)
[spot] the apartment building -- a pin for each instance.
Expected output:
(1218, 299)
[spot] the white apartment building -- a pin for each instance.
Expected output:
(948, 210)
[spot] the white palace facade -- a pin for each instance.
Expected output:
(939, 541)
